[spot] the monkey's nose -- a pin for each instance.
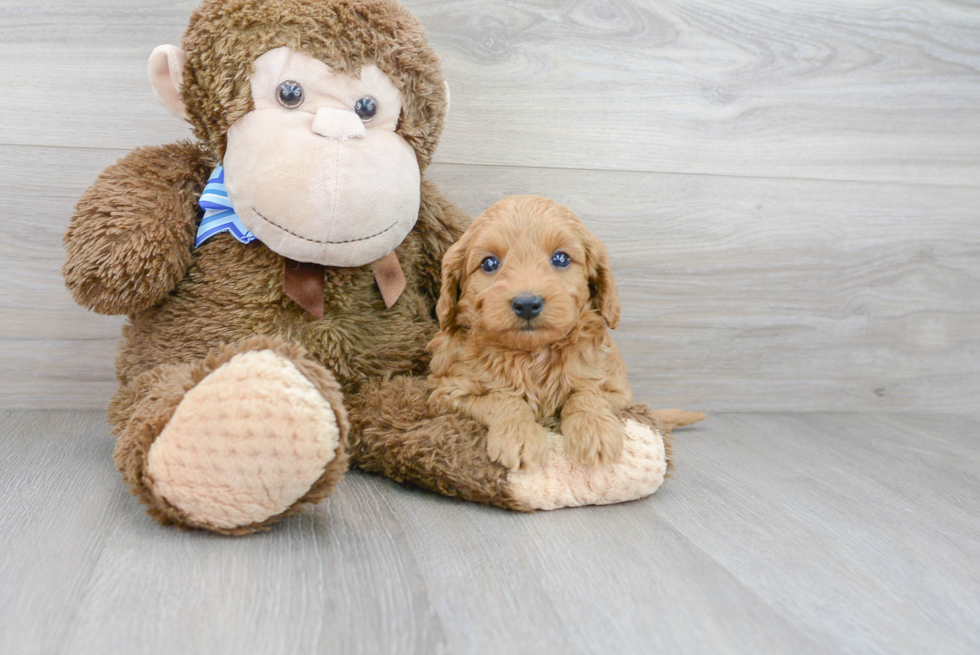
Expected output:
(339, 124)
(527, 306)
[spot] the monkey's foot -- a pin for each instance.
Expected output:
(562, 482)
(249, 442)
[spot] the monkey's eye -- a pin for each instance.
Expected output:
(490, 264)
(561, 260)
(290, 94)
(366, 108)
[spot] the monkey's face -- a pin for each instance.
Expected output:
(322, 112)
(316, 170)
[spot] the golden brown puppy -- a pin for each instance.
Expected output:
(527, 300)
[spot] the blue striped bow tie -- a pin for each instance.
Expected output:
(219, 215)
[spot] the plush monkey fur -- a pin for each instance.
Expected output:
(191, 311)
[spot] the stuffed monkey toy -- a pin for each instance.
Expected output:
(280, 274)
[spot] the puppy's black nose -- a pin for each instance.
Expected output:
(527, 306)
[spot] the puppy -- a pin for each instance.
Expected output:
(524, 315)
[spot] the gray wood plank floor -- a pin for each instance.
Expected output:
(780, 533)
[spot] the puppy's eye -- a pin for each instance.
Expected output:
(290, 94)
(561, 260)
(366, 108)
(490, 264)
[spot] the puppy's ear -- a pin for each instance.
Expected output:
(602, 287)
(453, 265)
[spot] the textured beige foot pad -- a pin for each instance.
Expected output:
(561, 482)
(245, 444)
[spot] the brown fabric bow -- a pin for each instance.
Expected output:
(303, 282)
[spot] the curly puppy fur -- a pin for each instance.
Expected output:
(511, 372)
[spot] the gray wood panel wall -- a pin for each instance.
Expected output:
(790, 190)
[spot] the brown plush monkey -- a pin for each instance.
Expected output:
(274, 338)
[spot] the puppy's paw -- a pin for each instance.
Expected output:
(593, 439)
(517, 445)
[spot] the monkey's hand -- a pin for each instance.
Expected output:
(130, 239)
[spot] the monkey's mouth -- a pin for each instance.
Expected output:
(300, 236)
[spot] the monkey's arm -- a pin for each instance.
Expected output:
(440, 225)
(397, 434)
(130, 239)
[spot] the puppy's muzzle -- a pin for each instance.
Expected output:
(527, 306)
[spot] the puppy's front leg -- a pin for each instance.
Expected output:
(593, 434)
(514, 438)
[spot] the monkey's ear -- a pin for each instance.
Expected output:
(602, 287)
(166, 68)
(453, 264)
